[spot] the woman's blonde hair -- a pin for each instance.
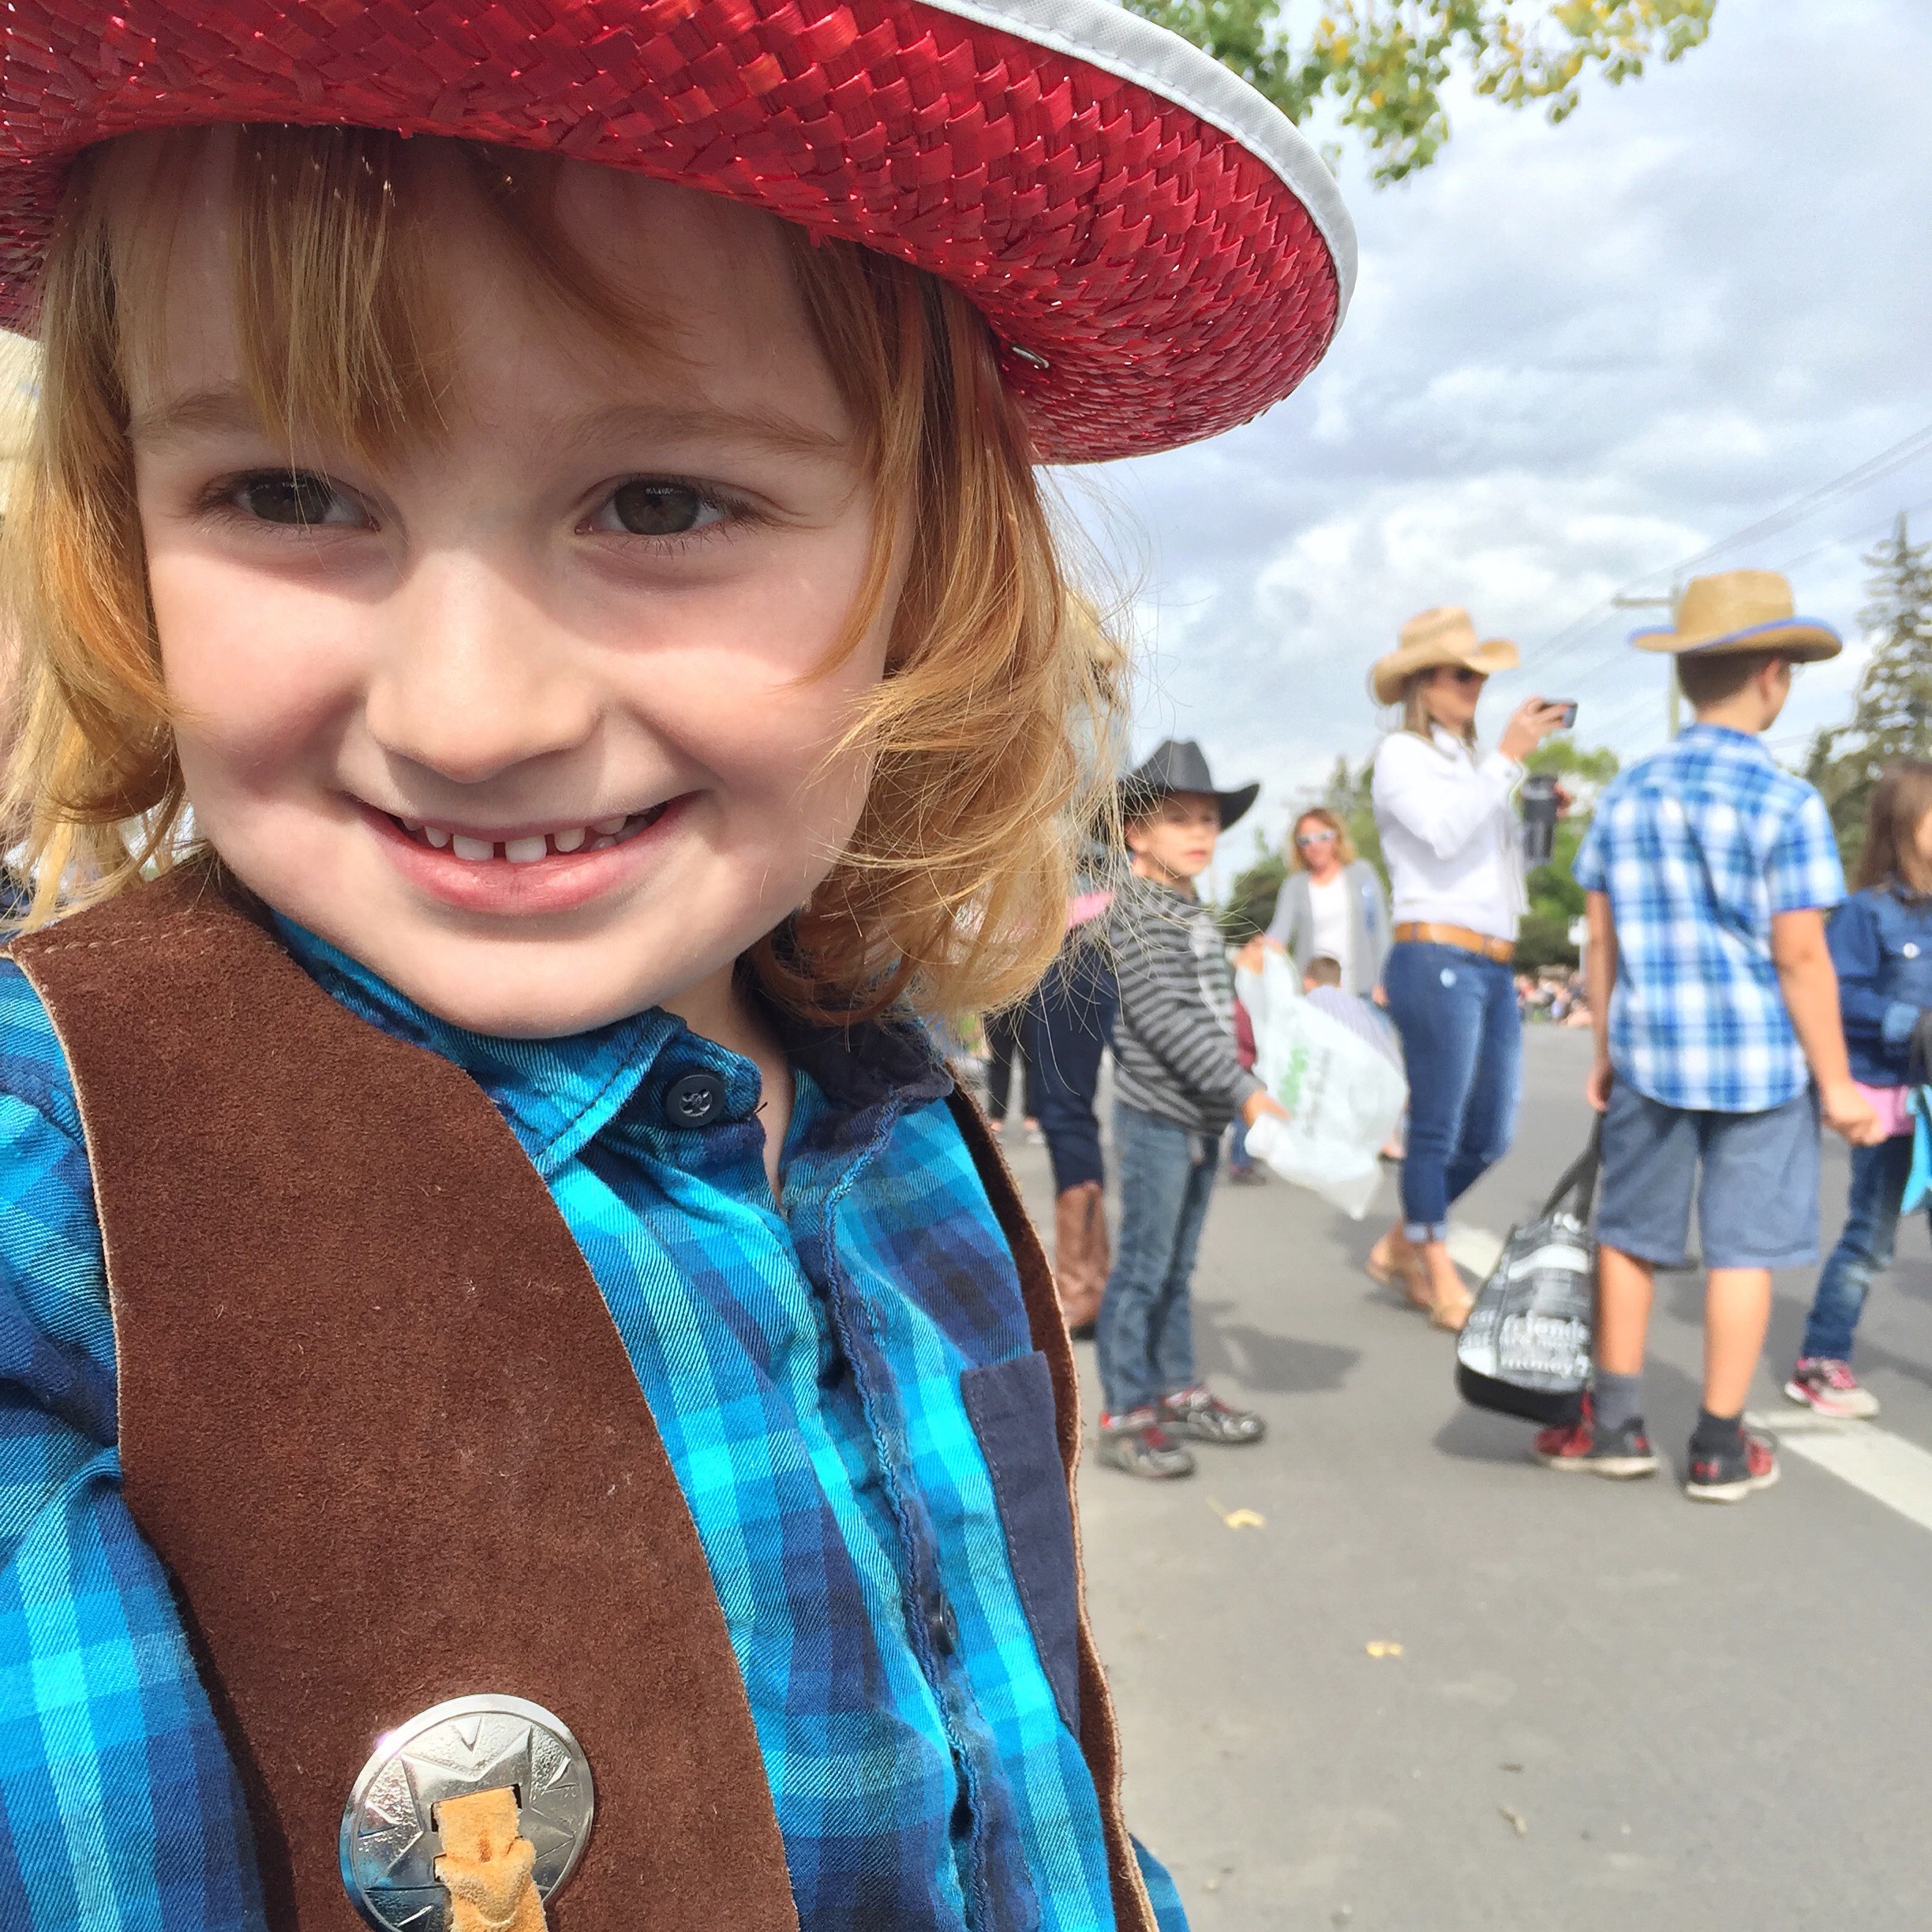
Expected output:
(990, 738)
(1344, 846)
(1413, 704)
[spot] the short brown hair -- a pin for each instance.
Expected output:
(991, 735)
(1344, 846)
(1711, 679)
(1900, 802)
(1325, 970)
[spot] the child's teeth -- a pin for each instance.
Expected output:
(604, 843)
(609, 828)
(436, 835)
(525, 851)
(568, 842)
(412, 825)
(474, 850)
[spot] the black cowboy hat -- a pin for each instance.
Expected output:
(1180, 765)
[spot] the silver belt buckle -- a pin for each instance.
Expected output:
(390, 1841)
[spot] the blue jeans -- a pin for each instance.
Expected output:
(1145, 1339)
(1864, 1249)
(1064, 1027)
(1237, 1147)
(1462, 1041)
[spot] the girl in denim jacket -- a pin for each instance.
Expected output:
(1880, 942)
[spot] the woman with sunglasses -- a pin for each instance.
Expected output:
(1332, 903)
(1450, 841)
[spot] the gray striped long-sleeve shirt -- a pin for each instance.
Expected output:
(1173, 1042)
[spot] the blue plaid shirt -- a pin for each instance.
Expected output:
(1699, 847)
(804, 1368)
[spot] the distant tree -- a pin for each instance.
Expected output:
(1891, 715)
(1384, 63)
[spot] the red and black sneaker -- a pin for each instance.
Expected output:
(1731, 1475)
(1200, 1413)
(1136, 1442)
(1617, 1453)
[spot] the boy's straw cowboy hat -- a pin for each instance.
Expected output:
(1160, 254)
(1744, 610)
(1445, 635)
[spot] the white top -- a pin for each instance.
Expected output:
(1334, 921)
(1448, 833)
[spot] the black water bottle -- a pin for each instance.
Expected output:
(1538, 801)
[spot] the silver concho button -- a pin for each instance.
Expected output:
(390, 1841)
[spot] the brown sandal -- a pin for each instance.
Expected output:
(1401, 1270)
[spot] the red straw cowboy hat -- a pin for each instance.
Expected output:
(1445, 635)
(1161, 255)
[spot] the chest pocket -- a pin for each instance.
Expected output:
(1010, 1405)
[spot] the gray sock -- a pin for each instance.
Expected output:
(1616, 1400)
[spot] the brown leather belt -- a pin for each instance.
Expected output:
(1503, 951)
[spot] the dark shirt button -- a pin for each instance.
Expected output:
(942, 1626)
(694, 1099)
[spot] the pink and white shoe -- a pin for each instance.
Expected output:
(1829, 1387)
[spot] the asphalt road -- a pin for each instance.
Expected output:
(1612, 1710)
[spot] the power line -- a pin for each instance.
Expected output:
(1568, 640)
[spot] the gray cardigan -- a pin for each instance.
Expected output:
(1292, 927)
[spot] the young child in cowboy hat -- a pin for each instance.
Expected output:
(1177, 1082)
(1715, 1007)
(533, 535)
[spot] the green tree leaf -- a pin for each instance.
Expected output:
(1383, 64)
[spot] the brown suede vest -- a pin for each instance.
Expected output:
(375, 1420)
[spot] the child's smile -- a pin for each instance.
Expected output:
(541, 716)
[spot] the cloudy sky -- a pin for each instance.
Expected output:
(1577, 356)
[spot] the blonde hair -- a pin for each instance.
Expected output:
(1413, 702)
(990, 738)
(1344, 846)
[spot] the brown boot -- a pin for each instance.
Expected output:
(1080, 1258)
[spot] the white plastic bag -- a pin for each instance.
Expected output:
(1342, 1093)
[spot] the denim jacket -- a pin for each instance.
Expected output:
(1881, 942)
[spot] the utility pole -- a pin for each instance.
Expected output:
(1673, 694)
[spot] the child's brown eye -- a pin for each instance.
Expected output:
(660, 509)
(295, 498)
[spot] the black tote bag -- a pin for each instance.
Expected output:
(1525, 1350)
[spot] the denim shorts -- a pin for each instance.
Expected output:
(1756, 1177)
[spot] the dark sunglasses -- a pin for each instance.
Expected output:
(1463, 675)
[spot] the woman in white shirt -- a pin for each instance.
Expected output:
(1450, 841)
(1332, 903)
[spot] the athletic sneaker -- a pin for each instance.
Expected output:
(1831, 1388)
(1731, 1476)
(1618, 1453)
(1136, 1442)
(1200, 1413)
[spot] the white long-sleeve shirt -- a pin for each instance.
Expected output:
(1449, 835)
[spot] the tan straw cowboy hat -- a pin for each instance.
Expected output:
(1743, 610)
(1445, 635)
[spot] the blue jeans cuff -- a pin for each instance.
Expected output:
(1421, 1231)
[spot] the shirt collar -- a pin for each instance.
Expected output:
(556, 1095)
(1747, 742)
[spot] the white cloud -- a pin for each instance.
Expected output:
(1577, 355)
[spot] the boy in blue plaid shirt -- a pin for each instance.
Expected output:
(1710, 872)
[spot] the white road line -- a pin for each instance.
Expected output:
(1888, 1467)
(1473, 1248)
